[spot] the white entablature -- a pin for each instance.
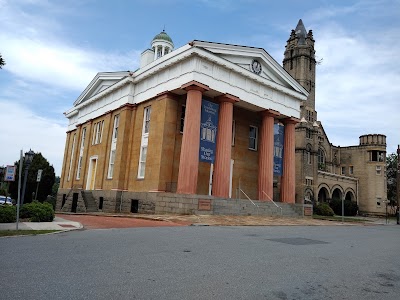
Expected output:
(224, 68)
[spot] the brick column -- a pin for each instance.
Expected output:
(221, 177)
(189, 158)
(288, 184)
(266, 156)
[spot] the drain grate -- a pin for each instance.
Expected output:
(298, 241)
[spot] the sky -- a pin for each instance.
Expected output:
(54, 48)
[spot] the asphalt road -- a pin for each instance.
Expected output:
(277, 262)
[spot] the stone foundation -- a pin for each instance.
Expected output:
(164, 203)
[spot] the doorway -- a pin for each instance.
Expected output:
(74, 202)
(91, 173)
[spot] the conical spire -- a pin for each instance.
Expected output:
(301, 32)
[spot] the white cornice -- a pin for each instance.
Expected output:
(100, 76)
(251, 52)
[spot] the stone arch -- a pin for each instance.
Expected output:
(323, 193)
(308, 196)
(337, 192)
(350, 194)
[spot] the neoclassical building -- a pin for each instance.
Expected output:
(325, 171)
(198, 121)
(208, 124)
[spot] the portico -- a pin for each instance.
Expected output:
(221, 177)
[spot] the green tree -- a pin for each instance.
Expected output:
(46, 182)
(391, 173)
(2, 62)
(55, 187)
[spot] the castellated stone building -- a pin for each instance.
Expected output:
(212, 128)
(325, 171)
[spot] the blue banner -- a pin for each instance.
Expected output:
(278, 148)
(208, 131)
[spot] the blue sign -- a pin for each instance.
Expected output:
(208, 131)
(278, 148)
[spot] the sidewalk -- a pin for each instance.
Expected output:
(73, 221)
(57, 224)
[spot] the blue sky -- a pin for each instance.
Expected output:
(53, 49)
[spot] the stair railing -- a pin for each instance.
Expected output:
(256, 205)
(270, 199)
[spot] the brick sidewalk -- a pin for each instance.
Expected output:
(102, 220)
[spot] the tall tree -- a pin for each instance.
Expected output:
(2, 62)
(45, 185)
(391, 173)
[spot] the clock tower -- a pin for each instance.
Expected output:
(299, 62)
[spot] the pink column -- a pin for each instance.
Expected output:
(222, 165)
(288, 183)
(266, 156)
(189, 159)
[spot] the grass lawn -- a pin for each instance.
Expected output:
(24, 232)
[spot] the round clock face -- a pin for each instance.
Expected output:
(256, 66)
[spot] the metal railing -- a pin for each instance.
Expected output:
(269, 198)
(250, 200)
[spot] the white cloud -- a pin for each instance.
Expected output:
(356, 89)
(34, 49)
(22, 129)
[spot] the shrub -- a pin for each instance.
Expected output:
(323, 209)
(350, 207)
(37, 212)
(52, 200)
(7, 214)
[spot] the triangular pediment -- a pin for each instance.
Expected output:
(101, 82)
(254, 60)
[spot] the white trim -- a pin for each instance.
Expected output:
(89, 177)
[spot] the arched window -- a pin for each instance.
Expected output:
(321, 159)
(308, 153)
(291, 59)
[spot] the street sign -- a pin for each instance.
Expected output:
(10, 173)
(39, 175)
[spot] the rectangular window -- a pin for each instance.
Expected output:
(309, 181)
(72, 158)
(78, 172)
(142, 161)
(144, 143)
(378, 170)
(233, 132)
(377, 156)
(146, 121)
(308, 133)
(111, 164)
(183, 111)
(351, 170)
(113, 148)
(253, 134)
(309, 157)
(97, 132)
(378, 202)
(115, 130)
(310, 116)
(343, 170)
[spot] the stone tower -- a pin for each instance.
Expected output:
(299, 62)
